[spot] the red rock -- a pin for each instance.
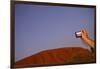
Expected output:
(71, 55)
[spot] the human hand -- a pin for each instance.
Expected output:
(84, 34)
(86, 39)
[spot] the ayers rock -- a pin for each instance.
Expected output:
(67, 55)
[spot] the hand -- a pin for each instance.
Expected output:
(86, 38)
(84, 34)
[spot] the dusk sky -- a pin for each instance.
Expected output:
(39, 27)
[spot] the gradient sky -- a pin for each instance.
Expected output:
(39, 27)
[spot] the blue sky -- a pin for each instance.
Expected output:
(39, 27)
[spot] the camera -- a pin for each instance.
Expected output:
(78, 34)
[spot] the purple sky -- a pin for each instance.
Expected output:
(39, 27)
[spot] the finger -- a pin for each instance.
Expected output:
(82, 30)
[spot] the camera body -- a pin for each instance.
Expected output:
(78, 34)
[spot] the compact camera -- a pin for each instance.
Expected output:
(78, 34)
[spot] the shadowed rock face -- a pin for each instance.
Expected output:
(71, 55)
